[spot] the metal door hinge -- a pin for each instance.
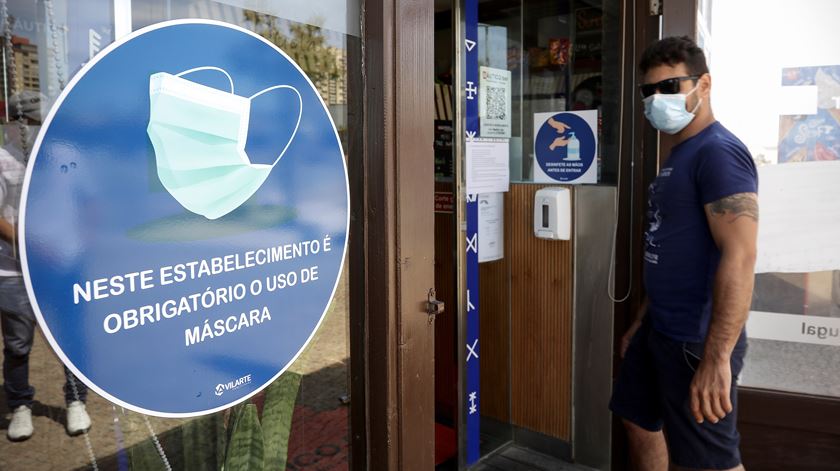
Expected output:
(433, 306)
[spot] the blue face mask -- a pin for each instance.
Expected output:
(199, 134)
(667, 113)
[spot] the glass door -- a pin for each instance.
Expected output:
(522, 64)
(299, 420)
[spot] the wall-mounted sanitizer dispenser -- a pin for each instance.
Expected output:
(553, 213)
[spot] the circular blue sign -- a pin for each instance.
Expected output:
(565, 147)
(184, 218)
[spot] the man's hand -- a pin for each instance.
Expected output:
(710, 390)
(628, 336)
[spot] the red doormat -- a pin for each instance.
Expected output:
(319, 440)
(446, 443)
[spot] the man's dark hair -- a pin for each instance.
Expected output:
(673, 51)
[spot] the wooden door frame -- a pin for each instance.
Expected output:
(392, 237)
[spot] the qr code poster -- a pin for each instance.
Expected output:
(494, 102)
(565, 146)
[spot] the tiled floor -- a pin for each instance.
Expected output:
(517, 458)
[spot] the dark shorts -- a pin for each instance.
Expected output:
(652, 391)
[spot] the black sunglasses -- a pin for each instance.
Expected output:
(668, 86)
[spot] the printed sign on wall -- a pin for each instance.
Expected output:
(487, 163)
(444, 202)
(565, 147)
(185, 218)
(491, 227)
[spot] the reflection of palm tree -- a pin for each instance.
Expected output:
(307, 46)
(304, 43)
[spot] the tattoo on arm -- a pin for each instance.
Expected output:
(735, 206)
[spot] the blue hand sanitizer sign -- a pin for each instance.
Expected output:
(565, 147)
(184, 218)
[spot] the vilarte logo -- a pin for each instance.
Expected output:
(221, 388)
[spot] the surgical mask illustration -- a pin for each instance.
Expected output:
(667, 113)
(199, 135)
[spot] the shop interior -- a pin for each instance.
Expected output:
(535, 306)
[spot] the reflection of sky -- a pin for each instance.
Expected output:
(330, 15)
(87, 16)
(82, 224)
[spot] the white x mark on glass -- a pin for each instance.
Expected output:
(471, 243)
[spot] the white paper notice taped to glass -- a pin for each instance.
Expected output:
(494, 102)
(491, 225)
(488, 167)
(800, 217)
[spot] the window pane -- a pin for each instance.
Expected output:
(785, 111)
(555, 56)
(301, 420)
(558, 54)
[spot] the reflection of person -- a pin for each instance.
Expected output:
(18, 321)
(684, 352)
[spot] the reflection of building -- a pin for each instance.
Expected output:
(25, 62)
(333, 88)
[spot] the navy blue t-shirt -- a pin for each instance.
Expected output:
(681, 257)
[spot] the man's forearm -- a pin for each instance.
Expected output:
(730, 305)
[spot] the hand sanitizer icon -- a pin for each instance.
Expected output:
(573, 148)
